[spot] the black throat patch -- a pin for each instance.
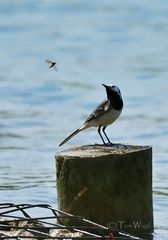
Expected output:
(115, 99)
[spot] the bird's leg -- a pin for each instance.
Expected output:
(110, 143)
(99, 131)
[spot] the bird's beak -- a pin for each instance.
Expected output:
(104, 85)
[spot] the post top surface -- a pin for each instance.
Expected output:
(99, 150)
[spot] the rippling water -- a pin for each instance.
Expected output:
(119, 42)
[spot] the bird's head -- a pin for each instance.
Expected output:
(113, 89)
(114, 95)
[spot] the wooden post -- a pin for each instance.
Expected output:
(111, 185)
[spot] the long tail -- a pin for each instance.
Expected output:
(73, 134)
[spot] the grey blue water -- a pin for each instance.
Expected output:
(124, 43)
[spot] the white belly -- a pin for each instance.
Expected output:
(104, 120)
(108, 118)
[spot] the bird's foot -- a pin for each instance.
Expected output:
(109, 144)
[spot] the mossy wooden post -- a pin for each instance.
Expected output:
(111, 185)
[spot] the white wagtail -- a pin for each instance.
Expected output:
(106, 113)
(51, 64)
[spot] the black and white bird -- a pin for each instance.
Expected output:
(51, 64)
(105, 114)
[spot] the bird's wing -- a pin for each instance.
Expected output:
(100, 109)
(50, 63)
